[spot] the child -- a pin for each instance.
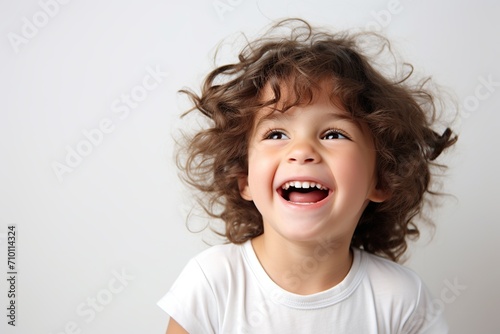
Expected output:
(318, 165)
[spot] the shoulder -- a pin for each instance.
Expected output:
(197, 297)
(393, 287)
(219, 257)
(397, 289)
(209, 269)
(216, 251)
(386, 273)
(220, 264)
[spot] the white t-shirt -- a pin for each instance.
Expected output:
(225, 289)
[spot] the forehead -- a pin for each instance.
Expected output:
(320, 95)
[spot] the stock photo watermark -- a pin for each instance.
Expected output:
(30, 27)
(299, 273)
(88, 310)
(483, 91)
(121, 107)
(448, 295)
(222, 7)
(12, 274)
(382, 18)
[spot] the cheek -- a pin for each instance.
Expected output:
(255, 166)
(354, 171)
(261, 169)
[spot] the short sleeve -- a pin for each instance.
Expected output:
(191, 301)
(428, 317)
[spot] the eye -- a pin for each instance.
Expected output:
(275, 135)
(334, 134)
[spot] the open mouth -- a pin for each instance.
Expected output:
(303, 192)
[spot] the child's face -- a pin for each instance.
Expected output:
(332, 158)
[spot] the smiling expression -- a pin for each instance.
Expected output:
(311, 171)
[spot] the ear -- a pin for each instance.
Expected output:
(244, 188)
(379, 195)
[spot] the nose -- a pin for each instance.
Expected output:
(303, 153)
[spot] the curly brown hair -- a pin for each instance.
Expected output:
(399, 115)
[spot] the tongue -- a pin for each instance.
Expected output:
(309, 197)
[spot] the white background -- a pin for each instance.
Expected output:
(122, 209)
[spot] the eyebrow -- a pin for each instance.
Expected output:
(272, 116)
(277, 115)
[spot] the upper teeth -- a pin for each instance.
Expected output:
(304, 184)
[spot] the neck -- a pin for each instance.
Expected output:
(303, 268)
